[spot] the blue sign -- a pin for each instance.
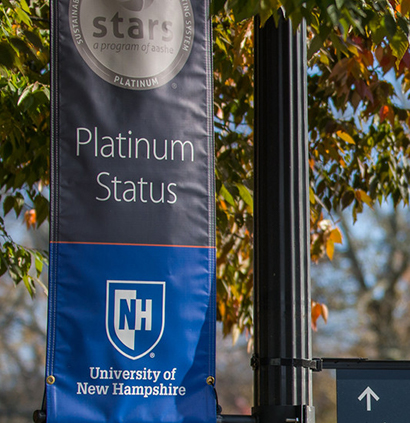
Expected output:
(131, 333)
(373, 395)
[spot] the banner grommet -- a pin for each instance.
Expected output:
(50, 380)
(210, 380)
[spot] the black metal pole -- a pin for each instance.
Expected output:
(282, 391)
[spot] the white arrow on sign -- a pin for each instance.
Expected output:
(368, 393)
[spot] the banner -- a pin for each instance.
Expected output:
(131, 335)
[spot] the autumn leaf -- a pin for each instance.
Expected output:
(325, 312)
(330, 248)
(318, 310)
(336, 236)
(405, 7)
(386, 112)
(312, 196)
(363, 197)
(30, 218)
(345, 137)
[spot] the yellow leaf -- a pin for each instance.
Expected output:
(324, 59)
(345, 137)
(24, 6)
(222, 308)
(312, 196)
(330, 248)
(336, 236)
(353, 49)
(362, 196)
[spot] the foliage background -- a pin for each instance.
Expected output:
(358, 130)
(358, 133)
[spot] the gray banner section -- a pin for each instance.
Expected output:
(133, 166)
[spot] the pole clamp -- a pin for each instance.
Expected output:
(315, 364)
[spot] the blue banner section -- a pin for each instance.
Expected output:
(134, 346)
(131, 334)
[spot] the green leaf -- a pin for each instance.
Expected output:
(18, 202)
(3, 265)
(7, 55)
(24, 95)
(21, 46)
(24, 6)
(23, 16)
(46, 92)
(245, 195)
(29, 284)
(8, 204)
(333, 14)
(34, 39)
(347, 198)
(221, 45)
(42, 211)
(7, 4)
(340, 3)
(403, 24)
(244, 9)
(389, 23)
(217, 6)
(378, 31)
(227, 195)
(39, 263)
(399, 45)
(314, 46)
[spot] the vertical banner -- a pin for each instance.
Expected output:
(132, 257)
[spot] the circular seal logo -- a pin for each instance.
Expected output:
(133, 44)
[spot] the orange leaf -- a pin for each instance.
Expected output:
(317, 310)
(383, 112)
(315, 313)
(30, 218)
(386, 112)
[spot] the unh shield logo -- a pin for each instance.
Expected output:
(135, 316)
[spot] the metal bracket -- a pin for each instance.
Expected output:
(39, 416)
(285, 413)
(233, 418)
(316, 364)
